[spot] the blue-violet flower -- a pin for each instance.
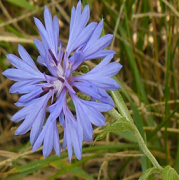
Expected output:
(40, 89)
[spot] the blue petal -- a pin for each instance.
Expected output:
(56, 32)
(76, 144)
(103, 63)
(71, 135)
(77, 24)
(50, 30)
(68, 142)
(38, 103)
(37, 125)
(56, 140)
(106, 83)
(94, 92)
(108, 70)
(102, 107)
(48, 139)
(49, 135)
(91, 108)
(40, 47)
(41, 61)
(100, 75)
(82, 37)
(76, 60)
(96, 34)
(56, 108)
(18, 63)
(31, 95)
(26, 125)
(95, 116)
(100, 54)
(85, 15)
(41, 136)
(20, 75)
(64, 145)
(76, 21)
(22, 87)
(21, 114)
(43, 33)
(83, 119)
(73, 12)
(100, 44)
(80, 134)
(25, 56)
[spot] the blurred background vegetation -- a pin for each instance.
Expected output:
(146, 39)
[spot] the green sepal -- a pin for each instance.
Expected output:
(83, 96)
(85, 68)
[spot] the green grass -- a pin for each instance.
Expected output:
(146, 43)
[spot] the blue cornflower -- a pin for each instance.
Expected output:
(42, 92)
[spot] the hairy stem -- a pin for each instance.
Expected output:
(144, 148)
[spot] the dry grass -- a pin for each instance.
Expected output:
(151, 38)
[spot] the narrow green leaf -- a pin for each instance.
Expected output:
(126, 135)
(37, 164)
(167, 82)
(13, 30)
(163, 123)
(2, 64)
(87, 2)
(22, 3)
(149, 172)
(120, 125)
(20, 175)
(79, 172)
(133, 64)
(23, 170)
(76, 164)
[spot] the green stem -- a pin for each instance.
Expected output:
(129, 125)
(144, 147)
(114, 114)
(121, 106)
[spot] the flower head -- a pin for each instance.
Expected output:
(40, 89)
